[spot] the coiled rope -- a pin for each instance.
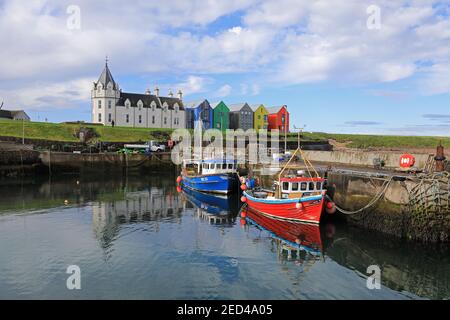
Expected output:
(384, 188)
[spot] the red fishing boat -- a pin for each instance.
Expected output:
(296, 196)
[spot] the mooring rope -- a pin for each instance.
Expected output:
(370, 204)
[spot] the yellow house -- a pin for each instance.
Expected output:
(260, 117)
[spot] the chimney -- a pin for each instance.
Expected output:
(170, 94)
(148, 92)
(157, 91)
(180, 94)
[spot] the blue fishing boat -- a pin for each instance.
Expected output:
(213, 176)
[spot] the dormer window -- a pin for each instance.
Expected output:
(140, 105)
(127, 104)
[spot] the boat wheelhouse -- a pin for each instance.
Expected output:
(210, 175)
(295, 196)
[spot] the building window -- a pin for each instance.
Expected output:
(265, 118)
(99, 104)
(127, 118)
(109, 104)
(153, 119)
(259, 117)
(109, 117)
(99, 117)
(165, 120)
(140, 119)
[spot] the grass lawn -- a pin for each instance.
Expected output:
(380, 141)
(65, 132)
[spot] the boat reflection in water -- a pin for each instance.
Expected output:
(216, 209)
(295, 241)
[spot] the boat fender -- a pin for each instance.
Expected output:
(244, 199)
(330, 207)
(243, 187)
(299, 205)
(179, 179)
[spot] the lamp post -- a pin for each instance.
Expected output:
(300, 130)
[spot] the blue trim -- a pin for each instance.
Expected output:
(282, 201)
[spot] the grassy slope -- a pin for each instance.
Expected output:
(65, 132)
(379, 141)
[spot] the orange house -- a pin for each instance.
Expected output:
(279, 118)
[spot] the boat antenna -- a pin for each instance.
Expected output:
(302, 155)
(1, 106)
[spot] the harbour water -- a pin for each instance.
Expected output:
(138, 237)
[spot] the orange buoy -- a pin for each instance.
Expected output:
(243, 187)
(179, 179)
(299, 205)
(243, 199)
(243, 214)
(179, 189)
(243, 222)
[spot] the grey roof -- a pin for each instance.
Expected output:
(275, 109)
(171, 102)
(106, 77)
(147, 99)
(255, 106)
(236, 106)
(5, 114)
(194, 104)
(215, 104)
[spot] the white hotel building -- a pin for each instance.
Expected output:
(111, 105)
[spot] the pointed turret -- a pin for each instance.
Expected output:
(106, 77)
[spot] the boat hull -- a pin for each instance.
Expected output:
(214, 183)
(309, 211)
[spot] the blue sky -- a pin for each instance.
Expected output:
(359, 66)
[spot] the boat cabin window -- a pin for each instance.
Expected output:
(230, 166)
(303, 186)
(311, 186)
(285, 186)
(319, 185)
(224, 166)
(205, 166)
(295, 186)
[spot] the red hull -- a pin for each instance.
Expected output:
(309, 212)
(299, 233)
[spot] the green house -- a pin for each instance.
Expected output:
(221, 116)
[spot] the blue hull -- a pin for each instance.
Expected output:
(214, 183)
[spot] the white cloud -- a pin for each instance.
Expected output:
(46, 96)
(194, 84)
(436, 80)
(224, 91)
(287, 41)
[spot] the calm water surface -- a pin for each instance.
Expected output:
(139, 238)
